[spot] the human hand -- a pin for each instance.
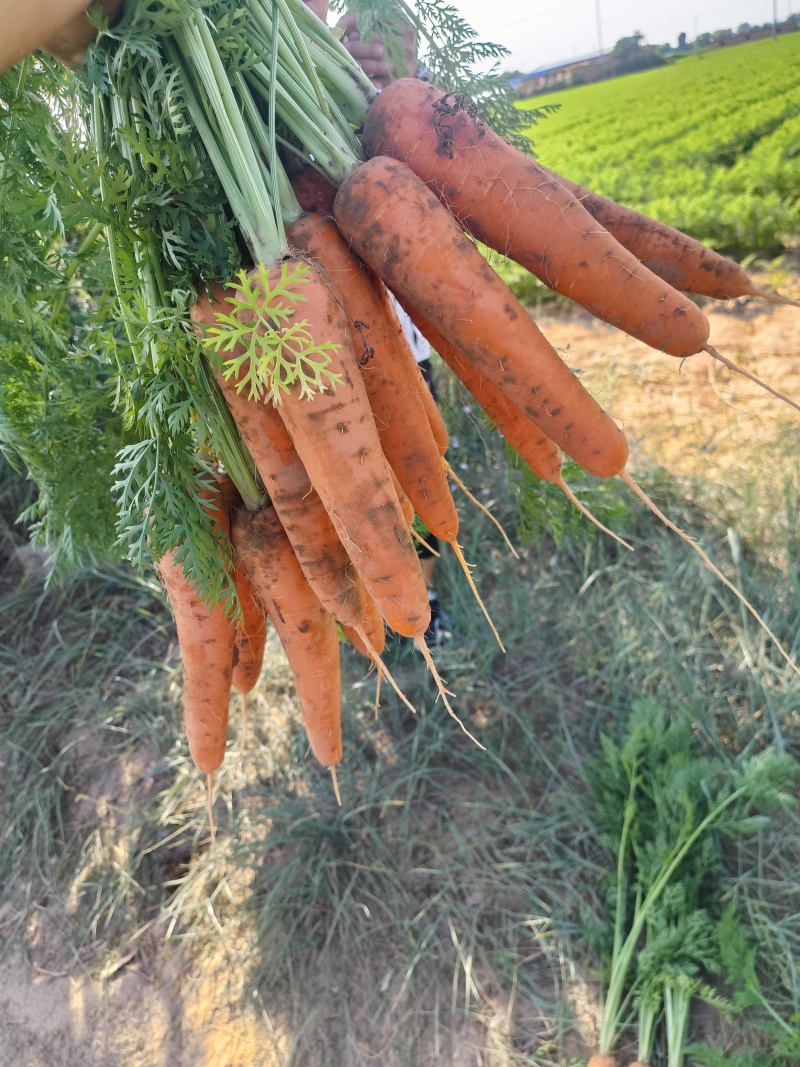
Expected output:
(71, 42)
(373, 56)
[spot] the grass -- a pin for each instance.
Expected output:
(718, 163)
(444, 911)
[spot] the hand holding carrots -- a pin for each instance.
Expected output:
(59, 27)
(373, 55)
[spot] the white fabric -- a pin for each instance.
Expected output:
(419, 346)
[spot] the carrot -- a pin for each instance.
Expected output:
(403, 427)
(386, 363)
(374, 629)
(601, 1061)
(322, 557)
(251, 633)
(682, 261)
(306, 631)
(400, 229)
(335, 437)
(527, 440)
(405, 504)
(251, 636)
(437, 424)
(511, 203)
(206, 638)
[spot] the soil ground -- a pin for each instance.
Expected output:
(56, 1010)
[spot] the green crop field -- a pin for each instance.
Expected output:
(710, 144)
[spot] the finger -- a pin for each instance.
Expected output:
(348, 23)
(375, 68)
(372, 51)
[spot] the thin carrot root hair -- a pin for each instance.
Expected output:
(383, 671)
(421, 540)
(210, 806)
(466, 569)
(562, 485)
(378, 677)
(776, 298)
(481, 507)
(443, 693)
(714, 570)
(746, 374)
(336, 792)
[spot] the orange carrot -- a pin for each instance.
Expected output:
(527, 440)
(374, 629)
(405, 504)
(251, 636)
(400, 229)
(251, 632)
(322, 556)
(683, 262)
(435, 420)
(335, 437)
(306, 631)
(206, 638)
(386, 363)
(509, 202)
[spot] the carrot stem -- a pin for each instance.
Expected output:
(481, 507)
(746, 374)
(714, 570)
(562, 485)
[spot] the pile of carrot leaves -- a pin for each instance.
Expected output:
(674, 936)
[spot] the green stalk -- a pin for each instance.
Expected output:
(624, 957)
(649, 1009)
(332, 155)
(284, 197)
(677, 1001)
(251, 203)
(273, 82)
(319, 34)
(228, 444)
(98, 121)
(282, 9)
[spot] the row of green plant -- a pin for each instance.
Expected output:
(708, 144)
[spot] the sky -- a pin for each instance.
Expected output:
(545, 32)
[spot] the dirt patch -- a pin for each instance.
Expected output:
(694, 417)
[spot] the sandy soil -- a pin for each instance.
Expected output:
(59, 1010)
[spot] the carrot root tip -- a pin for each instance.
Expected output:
(336, 792)
(746, 374)
(481, 507)
(444, 693)
(382, 670)
(625, 476)
(210, 806)
(466, 569)
(562, 485)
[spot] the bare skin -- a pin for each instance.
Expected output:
(56, 26)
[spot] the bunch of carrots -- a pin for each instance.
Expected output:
(347, 472)
(323, 438)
